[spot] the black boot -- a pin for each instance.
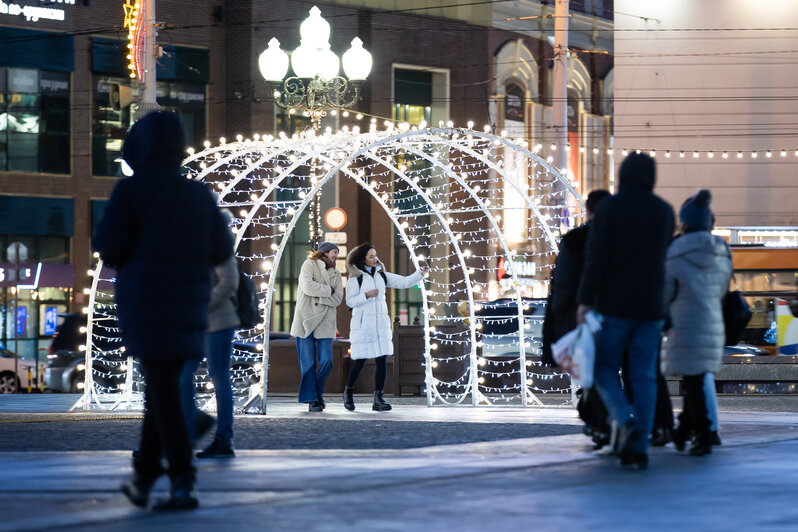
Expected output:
(182, 496)
(679, 437)
(702, 444)
(349, 398)
(138, 489)
(660, 437)
(379, 403)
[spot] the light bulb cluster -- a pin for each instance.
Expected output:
(134, 23)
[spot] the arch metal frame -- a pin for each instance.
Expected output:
(366, 146)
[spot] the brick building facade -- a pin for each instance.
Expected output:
(211, 49)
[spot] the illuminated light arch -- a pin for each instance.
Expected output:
(445, 191)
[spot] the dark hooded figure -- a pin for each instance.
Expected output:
(624, 279)
(163, 233)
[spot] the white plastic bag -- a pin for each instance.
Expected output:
(575, 352)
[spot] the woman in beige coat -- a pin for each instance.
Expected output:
(319, 293)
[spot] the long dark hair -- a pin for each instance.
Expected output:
(358, 256)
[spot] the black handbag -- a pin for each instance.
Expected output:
(736, 315)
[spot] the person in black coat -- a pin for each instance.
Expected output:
(561, 313)
(624, 279)
(568, 269)
(163, 233)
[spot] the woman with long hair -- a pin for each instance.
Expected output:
(319, 292)
(370, 329)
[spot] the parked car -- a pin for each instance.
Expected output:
(744, 350)
(66, 362)
(11, 382)
(499, 320)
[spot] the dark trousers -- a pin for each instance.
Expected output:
(164, 431)
(379, 375)
(663, 412)
(694, 417)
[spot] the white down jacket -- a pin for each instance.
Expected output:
(370, 329)
(697, 272)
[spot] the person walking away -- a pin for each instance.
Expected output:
(623, 279)
(319, 292)
(697, 274)
(162, 233)
(222, 324)
(560, 315)
(370, 328)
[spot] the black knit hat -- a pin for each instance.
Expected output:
(695, 214)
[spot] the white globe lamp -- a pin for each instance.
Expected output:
(273, 62)
(357, 61)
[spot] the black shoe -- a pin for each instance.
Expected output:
(349, 398)
(701, 445)
(635, 461)
(205, 423)
(314, 406)
(600, 439)
(321, 402)
(715, 438)
(181, 498)
(679, 438)
(661, 437)
(379, 403)
(625, 439)
(138, 488)
(217, 449)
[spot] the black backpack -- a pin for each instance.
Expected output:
(246, 302)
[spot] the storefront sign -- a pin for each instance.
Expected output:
(33, 276)
(33, 13)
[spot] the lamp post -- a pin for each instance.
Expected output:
(316, 86)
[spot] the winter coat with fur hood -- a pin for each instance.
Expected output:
(319, 292)
(370, 329)
(697, 272)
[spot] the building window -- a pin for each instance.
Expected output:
(34, 120)
(412, 91)
(110, 123)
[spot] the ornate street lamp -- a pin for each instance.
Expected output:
(316, 87)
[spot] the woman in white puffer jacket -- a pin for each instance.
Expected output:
(370, 329)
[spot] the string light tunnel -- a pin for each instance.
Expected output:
(482, 210)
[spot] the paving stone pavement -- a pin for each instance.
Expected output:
(415, 468)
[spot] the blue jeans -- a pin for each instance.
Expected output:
(642, 339)
(311, 385)
(219, 349)
(712, 400)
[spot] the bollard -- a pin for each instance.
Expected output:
(41, 378)
(29, 378)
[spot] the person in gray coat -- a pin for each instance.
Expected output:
(697, 272)
(222, 324)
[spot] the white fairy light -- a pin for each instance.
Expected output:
(455, 201)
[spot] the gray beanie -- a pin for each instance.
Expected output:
(324, 247)
(695, 214)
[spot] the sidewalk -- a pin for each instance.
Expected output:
(483, 480)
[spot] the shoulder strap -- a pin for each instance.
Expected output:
(359, 281)
(384, 277)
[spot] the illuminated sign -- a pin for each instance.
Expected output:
(134, 22)
(522, 269)
(35, 13)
